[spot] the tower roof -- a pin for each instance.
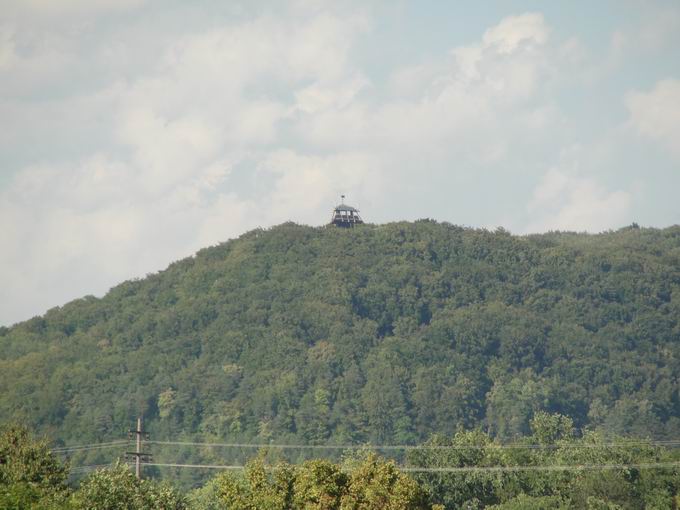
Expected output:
(345, 215)
(345, 207)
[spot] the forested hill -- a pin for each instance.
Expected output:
(382, 333)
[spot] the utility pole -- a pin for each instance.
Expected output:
(138, 454)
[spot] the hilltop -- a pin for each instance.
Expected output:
(381, 333)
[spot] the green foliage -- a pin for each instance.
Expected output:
(256, 488)
(205, 497)
(379, 484)
(117, 488)
(548, 429)
(600, 472)
(553, 468)
(464, 449)
(524, 502)
(321, 485)
(30, 475)
(380, 334)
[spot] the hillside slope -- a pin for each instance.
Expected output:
(381, 333)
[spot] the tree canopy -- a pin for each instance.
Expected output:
(552, 468)
(381, 334)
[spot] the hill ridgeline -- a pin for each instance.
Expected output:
(381, 333)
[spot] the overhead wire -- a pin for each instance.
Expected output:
(627, 444)
(202, 466)
(92, 446)
(462, 469)
(90, 467)
(445, 469)
(557, 467)
(417, 447)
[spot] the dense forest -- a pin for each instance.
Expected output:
(550, 469)
(381, 334)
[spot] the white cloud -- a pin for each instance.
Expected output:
(319, 96)
(166, 133)
(469, 107)
(161, 190)
(562, 201)
(656, 114)
(514, 31)
(306, 185)
(166, 152)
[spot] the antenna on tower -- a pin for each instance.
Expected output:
(342, 199)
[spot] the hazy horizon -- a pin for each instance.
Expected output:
(136, 132)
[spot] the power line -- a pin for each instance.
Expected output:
(417, 447)
(201, 466)
(93, 446)
(91, 467)
(491, 446)
(576, 467)
(463, 469)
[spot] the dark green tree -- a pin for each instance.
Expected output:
(30, 474)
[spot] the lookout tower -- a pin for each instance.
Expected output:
(345, 215)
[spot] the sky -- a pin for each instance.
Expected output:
(133, 132)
